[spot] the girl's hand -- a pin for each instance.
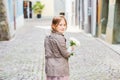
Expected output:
(69, 49)
(72, 48)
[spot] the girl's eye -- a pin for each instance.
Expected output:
(60, 24)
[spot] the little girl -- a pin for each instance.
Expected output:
(56, 54)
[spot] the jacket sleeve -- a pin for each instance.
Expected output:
(46, 45)
(62, 48)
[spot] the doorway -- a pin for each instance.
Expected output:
(27, 8)
(104, 15)
(116, 30)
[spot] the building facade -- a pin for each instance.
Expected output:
(109, 21)
(48, 10)
(4, 30)
(11, 18)
(85, 17)
(13, 12)
(113, 25)
(100, 18)
(52, 8)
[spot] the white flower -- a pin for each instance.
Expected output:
(74, 42)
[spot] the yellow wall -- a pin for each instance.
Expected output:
(49, 8)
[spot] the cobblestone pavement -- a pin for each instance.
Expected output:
(94, 60)
(21, 58)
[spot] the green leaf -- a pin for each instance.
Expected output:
(72, 43)
(38, 7)
(72, 54)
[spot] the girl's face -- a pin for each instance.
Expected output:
(61, 26)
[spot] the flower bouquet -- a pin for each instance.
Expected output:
(73, 44)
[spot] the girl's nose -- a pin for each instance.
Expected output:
(63, 27)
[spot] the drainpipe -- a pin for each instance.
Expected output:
(14, 9)
(93, 27)
(86, 26)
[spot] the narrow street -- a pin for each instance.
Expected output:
(22, 58)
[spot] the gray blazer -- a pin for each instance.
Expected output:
(56, 55)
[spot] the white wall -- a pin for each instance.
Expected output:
(10, 24)
(93, 18)
(49, 8)
(68, 10)
(59, 6)
(19, 19)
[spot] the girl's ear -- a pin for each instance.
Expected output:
(53, 27)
